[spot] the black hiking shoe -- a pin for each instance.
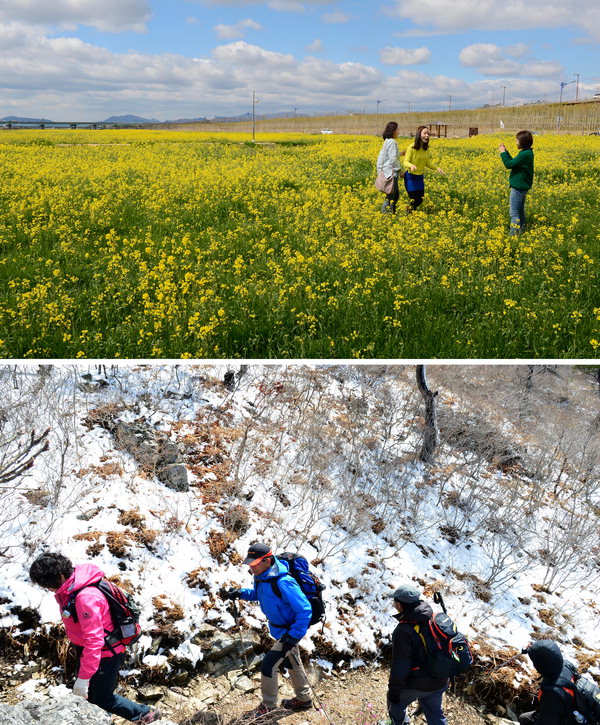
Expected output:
(296, 705)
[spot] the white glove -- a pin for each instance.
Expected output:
(80, 687)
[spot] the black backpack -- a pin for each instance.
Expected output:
(124, 613)
(307, 581)
(586, 696)
(447, 650)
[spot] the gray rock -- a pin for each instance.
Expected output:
(220, 646)
(154, 452)
(238, 647)
(205, 631)
(151, 693)
(66, 710)
(244, 684)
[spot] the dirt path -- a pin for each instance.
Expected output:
(356, 697)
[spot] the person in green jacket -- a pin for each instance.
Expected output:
(520, 179)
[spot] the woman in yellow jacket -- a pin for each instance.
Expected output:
(417, 157)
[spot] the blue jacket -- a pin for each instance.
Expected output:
(291, 614)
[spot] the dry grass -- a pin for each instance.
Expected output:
(581, 117)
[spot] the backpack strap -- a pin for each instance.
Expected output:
(109, 638)
(563, 687)
(277, 592)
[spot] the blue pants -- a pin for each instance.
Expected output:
(516, 204)
(102, 687)
(430, 702)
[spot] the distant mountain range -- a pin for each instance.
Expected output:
(22, 119)
(129, 118)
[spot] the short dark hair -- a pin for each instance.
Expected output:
(418, 143)
(390, 129)
(49, 568)
(525, 139)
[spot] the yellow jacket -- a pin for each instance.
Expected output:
(419, 158)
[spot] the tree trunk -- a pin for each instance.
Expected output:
(432, 435)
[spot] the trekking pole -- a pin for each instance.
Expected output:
(502, 664)
(236, 617)
(438, 599)
(314, 694)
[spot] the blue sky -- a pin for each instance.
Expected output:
(169, 59)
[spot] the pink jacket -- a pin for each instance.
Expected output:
(93, 616)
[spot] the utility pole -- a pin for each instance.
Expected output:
(408, 105)
(377, 116)
(562, 85)
(559, 117)
(254, 102)
(503, 95)
(576, 86)
(449, 103)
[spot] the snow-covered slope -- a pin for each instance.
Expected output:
(323, 460)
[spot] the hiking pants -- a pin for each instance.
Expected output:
(430, 702)
(102, 687)
(269, 670)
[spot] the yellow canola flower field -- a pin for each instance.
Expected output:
(157, 244)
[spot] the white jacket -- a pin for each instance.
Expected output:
(388, 161)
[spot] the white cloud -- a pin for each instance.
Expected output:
(245, 55)
(460, 15)
(337, 16)
(405, 56)
(491, 60)
(231, 32)
(64, 78)
(423, 90)
(315, 47)
(108, 15)
(542, 69)
(517, 50)
(297, 6)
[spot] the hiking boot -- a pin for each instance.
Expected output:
(260, 712)
(150, 716)
(296, 705)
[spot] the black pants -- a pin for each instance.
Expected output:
(527, 718)
(394, 195)
(416, 198)
(102, 690)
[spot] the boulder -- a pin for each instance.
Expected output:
(154, 452)
(66, 710)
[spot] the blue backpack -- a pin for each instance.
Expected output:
(309, 584)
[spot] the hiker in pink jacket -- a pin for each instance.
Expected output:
(86, 628)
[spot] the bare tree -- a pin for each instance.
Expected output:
(18, 455)
(431, 438)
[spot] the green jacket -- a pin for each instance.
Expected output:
(521, 168)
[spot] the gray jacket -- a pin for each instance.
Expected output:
(388, 160)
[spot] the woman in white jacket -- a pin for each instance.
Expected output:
(388, 162)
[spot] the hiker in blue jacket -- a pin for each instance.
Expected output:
(288, 612)
(407, 681)
(556, 695)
